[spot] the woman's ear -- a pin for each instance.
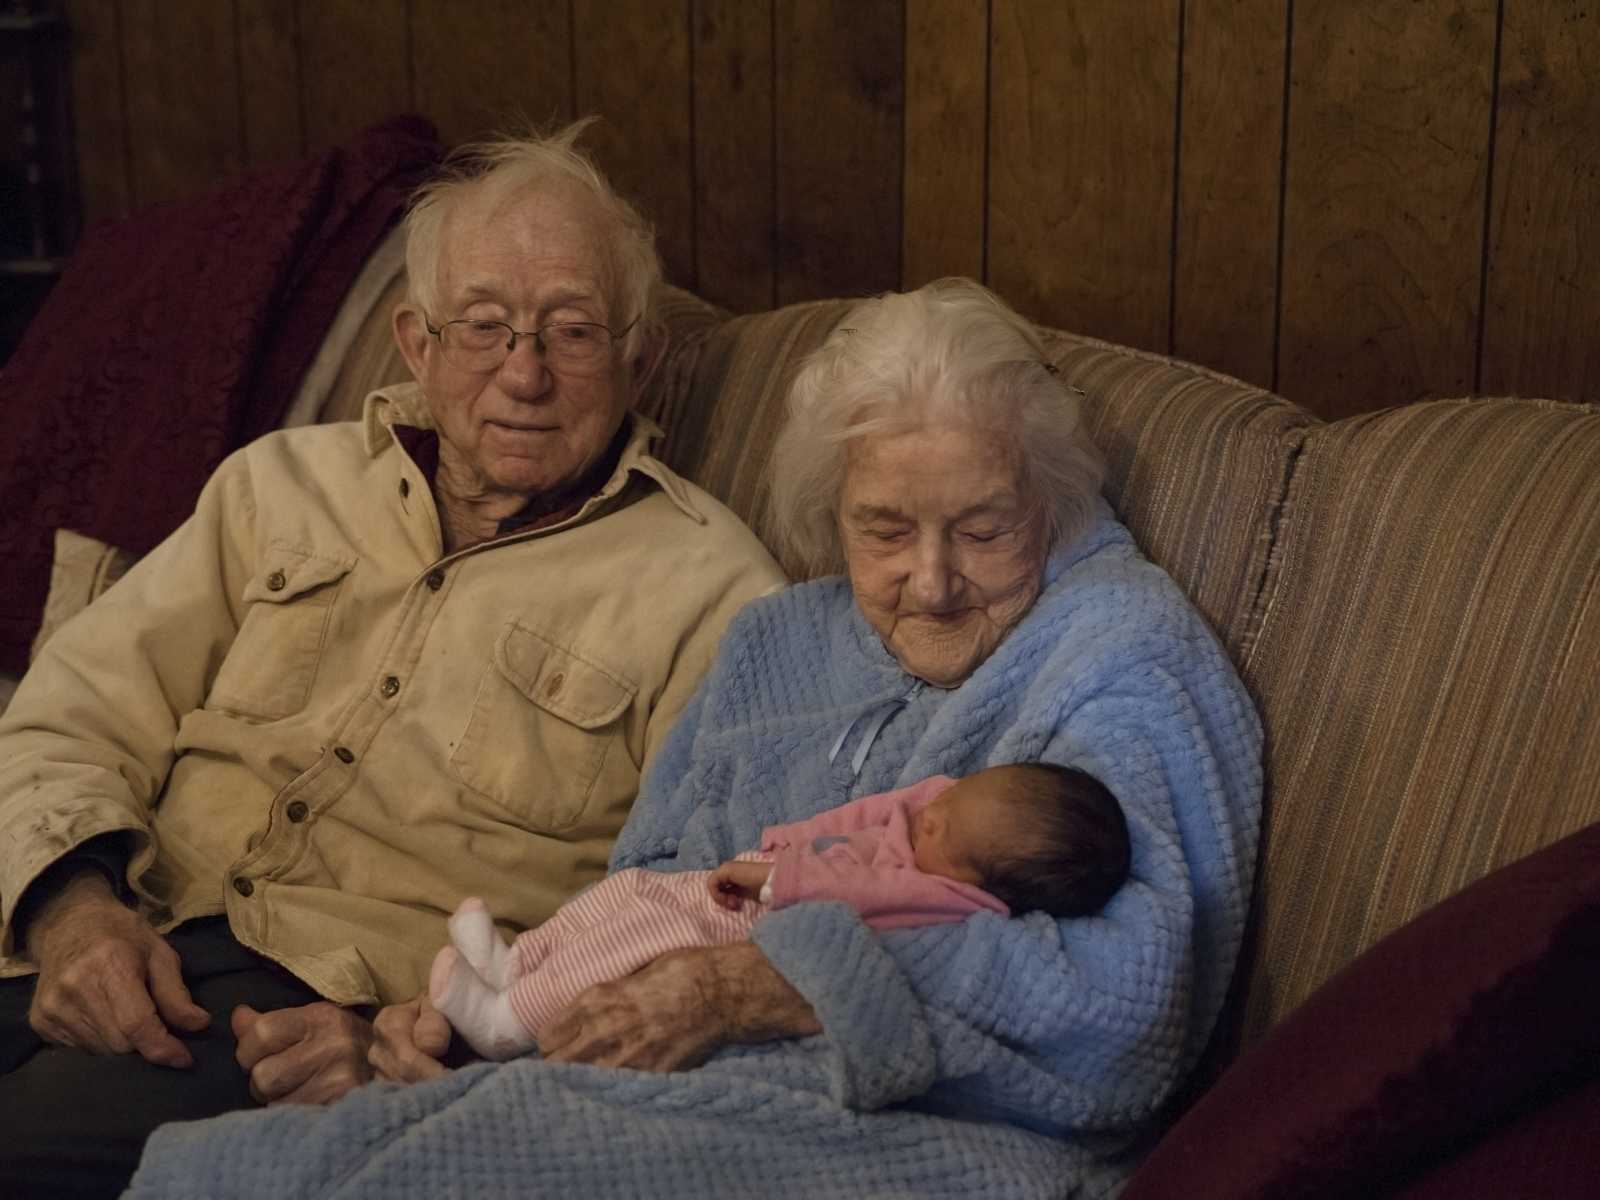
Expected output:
(411, 336)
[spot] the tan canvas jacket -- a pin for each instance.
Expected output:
(307, 717)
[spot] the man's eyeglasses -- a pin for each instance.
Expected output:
(574, 347)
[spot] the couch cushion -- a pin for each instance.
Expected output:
(1476, 1011)
(1197, 464)
(1426, 664)
(721, 397)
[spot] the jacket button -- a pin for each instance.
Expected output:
(243, 886)
(391, 685)
(435, 579)
(343, 754)
(557, 681)
(297, 811)
(405, 488)
(275, 581)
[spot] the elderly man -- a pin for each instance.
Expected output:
(383, 666)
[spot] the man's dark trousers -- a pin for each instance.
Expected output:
(74, 1123)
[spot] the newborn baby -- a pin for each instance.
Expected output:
(1006, 840)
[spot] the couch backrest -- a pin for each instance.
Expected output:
(1426, 659)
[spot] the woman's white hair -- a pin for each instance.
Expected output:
(948, 355)
(495, 170)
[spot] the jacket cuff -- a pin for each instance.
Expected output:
(106, 852)
(881, 1051)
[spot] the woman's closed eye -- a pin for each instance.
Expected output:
(984, 534)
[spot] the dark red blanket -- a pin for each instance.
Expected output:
(173, 338)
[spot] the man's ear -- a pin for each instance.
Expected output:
(411, 336)
(652, 352)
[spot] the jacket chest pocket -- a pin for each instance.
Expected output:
(541, 725)
(272, 663)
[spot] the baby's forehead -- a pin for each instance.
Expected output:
(1003, 778)
(991, 794)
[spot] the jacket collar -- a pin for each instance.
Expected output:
(404, 404)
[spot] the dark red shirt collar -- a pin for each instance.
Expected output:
(543, 508)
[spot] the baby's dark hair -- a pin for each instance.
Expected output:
(1076, 841)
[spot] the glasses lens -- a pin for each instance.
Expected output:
(575, 343)
(483, 345)
(475, 345)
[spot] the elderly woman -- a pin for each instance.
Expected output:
(990, 610)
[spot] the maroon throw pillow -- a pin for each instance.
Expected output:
(1476, 1010)
(1550, 1154)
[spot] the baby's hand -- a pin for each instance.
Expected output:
(734, 882)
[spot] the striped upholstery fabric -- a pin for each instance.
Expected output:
(720, 397)
(1427, 666)
(1196, 466)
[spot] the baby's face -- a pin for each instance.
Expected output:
(948, 835)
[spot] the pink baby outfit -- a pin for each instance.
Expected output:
(859, 853)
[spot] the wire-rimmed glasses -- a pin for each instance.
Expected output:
(573, 347)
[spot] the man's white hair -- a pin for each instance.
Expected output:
(949, 355)
(493, 170)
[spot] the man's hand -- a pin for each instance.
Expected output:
(409, 1040)
(675, 1013)
(308, 1055)
(734, 882)
(108, 983)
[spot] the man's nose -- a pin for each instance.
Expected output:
(525, 372)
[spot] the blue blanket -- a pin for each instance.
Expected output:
(993, 1057)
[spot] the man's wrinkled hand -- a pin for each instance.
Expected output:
(108, 982)
(408, 1041)
(308, 1055)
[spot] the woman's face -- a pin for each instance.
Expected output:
(944, 553)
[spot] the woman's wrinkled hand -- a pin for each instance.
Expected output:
(678, 1011)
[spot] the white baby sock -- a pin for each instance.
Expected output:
(478, 1009)
(473, 933)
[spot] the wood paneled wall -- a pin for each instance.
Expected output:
(1358, 203)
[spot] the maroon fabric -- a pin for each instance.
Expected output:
(1550, 1154)
(1445, 1030)
(174, 337)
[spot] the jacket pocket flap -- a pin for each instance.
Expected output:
(289, 573)
(560, 682)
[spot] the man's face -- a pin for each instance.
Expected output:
(526, 260)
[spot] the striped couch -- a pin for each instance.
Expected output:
(1410, 596)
